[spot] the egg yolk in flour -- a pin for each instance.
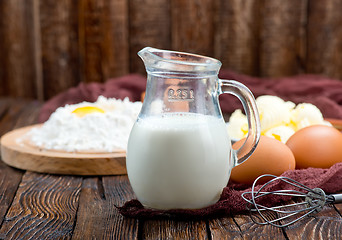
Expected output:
(82, 111)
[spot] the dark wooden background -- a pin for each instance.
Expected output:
(47, 46)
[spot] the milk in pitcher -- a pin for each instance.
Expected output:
(179, 154)
(179, 160)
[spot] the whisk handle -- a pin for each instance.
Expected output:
(337, 198)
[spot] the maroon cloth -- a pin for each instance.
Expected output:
(231, 202)
(325, 93)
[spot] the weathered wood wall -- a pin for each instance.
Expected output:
(47, 46)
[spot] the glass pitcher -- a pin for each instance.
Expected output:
(179, 154)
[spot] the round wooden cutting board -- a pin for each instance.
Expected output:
(22, 155)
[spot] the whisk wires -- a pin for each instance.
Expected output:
(314, 200)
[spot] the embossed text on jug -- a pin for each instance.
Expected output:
(181, 94)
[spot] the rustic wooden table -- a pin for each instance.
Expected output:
(44, 206)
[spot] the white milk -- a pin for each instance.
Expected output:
(179, 160)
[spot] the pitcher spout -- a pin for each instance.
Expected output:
(147, 53)
(166, 60)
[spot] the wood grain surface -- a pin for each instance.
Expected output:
(166, 229)
(18, 49)
(60, 52)
(49, 46)
(236, 36)
(192, 28)
(224, 228)
(280, 37)
(324, 21)
(46, 206)
(97, 214)
(149, 25)
(9, 182)
(103, 39)
(242, 226)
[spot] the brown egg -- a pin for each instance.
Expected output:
(316, 146)
(270, 156)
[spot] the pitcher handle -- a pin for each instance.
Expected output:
(248, 102)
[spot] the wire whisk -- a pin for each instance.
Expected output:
(313, 200)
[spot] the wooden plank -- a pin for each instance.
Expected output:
(2, 48)
(12, 112)
(242, 226)
(10, 177)
(326, 224)
(325, 38)
(4, 107)
(168, 229)
(193, 26)
(44, 208)
(17, 49)
(103, 40)
(29, 114)
(97, 216)
(116, 31)
(338, 208)
(15, 113)
(224, 228)
(237, 35)
(150, 25)
(280, 34)
(9, 182)
(37, 51)
(59, 41)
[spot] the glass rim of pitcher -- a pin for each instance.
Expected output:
(186, 62)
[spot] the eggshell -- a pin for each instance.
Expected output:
(270, 156)
(316, 146)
